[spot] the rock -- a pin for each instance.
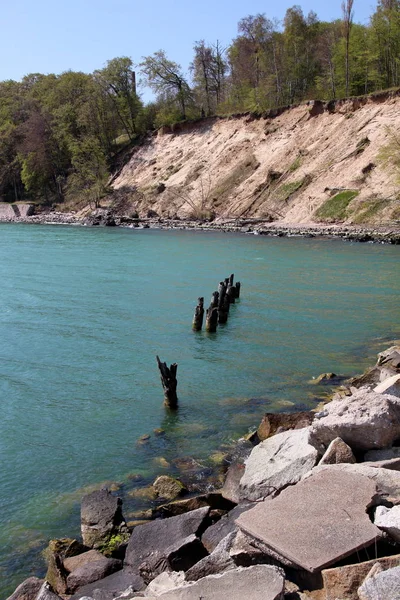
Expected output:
(324, 518)
(214, 500)
(272, 423)
(343, 582)
(389, 521)
(387, 481)
(392, 464)
(164, 582)
(27, 590)
(92, 571)
(217, 532)
(260, 581)
(111, 587)
(217, 562)
(46, 592)
(231, 487)
(391, 385)
(74, 562)
(384, 454)
(168, 487)
(384, 586)
(55, 554)
(324, 377)
(167, 544)
(389, 357)
(364, 421)
(102, 523)
(245, 554)
(337, 452)
(276, 463)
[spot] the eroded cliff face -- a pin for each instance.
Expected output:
(306, 164)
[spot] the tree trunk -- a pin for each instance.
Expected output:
(169, 383)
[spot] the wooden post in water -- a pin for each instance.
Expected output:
(231, 293)
(212, 319)
(237, 287)
(169, 383)
(198, 315)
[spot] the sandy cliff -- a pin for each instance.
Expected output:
(287, 166)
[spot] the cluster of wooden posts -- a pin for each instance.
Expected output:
(218, 311)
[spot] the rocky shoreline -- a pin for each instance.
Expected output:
(389, 234)
(309, 510)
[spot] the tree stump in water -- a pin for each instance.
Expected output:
(169, 383)
(198, 315)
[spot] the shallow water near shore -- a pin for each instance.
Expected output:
(84, 313)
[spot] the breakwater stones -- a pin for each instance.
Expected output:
(313, 513)
(218, 311)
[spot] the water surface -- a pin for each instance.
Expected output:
(84, 313)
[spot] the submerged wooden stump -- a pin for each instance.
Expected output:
(237, 288)
(169, 383)
(198, 315)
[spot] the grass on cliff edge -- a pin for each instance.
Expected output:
(335, 208)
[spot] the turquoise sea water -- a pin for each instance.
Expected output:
(84, 313)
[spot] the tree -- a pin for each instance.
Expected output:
(347, 10)
(165, 77)
(90, 174)
(208, 69)
(118, 81)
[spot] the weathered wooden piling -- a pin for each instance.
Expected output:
(237, 287)
(214, 300)
(198, 315)
(212, 319)
(231, 293)
(222, 293)
(169, 383)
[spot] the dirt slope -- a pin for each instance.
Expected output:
(286, 167)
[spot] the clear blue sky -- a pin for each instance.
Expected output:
(52, 36)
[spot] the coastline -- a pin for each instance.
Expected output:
(387, 234)
(236, 500)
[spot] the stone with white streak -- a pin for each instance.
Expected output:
(366, 420)
(391, 385)
(277, 462)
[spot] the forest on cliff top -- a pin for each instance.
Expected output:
(62, 135)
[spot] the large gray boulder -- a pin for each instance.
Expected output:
(111, 587)
(219, 530)
(167, 544)
(260, 581)
(27, 590)
(277, 462)
(388, 519)
(218, 561)
(364, 421)
(92, 571)
(102, 523)
(46, 593)
(383, 586)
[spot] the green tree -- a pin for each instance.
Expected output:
(165, 77)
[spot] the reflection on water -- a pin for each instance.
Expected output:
(86, 311)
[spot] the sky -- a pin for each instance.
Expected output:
(53, 36)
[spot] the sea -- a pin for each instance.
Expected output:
(84, 313)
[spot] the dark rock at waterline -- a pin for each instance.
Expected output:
(55, 553)
(27, 590)
(168, 487)
(273, 423)
(92, 571)
(102, 523)
(167, 544)
(100, 217)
